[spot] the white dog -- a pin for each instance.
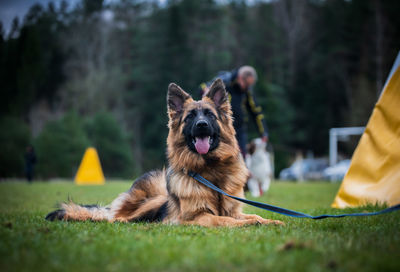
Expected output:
(259, 163)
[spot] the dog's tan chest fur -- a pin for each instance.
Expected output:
(191, 198)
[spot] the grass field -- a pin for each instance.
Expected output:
(29, 243)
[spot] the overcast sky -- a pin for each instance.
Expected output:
(11, 8)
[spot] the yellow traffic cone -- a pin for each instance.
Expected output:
(90, 171)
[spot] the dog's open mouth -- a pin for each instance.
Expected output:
(202, 144)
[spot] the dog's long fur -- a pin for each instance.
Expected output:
(171, 196)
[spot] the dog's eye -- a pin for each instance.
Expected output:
(189, 116)
(209, 114)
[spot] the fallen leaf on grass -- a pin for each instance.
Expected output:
(290, 245)
(8, 225)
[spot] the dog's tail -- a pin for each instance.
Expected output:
(75, 212)
(145, 201)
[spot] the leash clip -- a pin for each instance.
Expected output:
(191, 173)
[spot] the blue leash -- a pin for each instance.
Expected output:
(283, 211)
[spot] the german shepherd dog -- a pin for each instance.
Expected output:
(201, 139)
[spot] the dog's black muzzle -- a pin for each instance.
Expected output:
(202, 128)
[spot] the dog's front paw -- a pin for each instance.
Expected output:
(272, 222)
(56, 215)
(278, 222)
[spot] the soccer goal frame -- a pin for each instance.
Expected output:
(340, 134)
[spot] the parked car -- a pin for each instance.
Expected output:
(307, 169)
(337, 171)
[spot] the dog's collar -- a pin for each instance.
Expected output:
(188, 172)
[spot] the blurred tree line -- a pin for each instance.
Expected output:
(96, 74)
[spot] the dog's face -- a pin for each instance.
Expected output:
(199, 130)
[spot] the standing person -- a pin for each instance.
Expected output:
(30, 161)
(239, 83)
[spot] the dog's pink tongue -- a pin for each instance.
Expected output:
(202, 145)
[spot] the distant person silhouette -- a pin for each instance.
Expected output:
(239, 84)
(30, 161)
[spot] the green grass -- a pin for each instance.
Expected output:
(29, 243)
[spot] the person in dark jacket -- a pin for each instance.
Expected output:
(239, 83)
(30, 161)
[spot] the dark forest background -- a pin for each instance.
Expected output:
(97, 74)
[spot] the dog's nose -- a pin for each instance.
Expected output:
(202, 124)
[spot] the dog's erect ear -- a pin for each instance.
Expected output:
(217, 93)
(176, 98)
